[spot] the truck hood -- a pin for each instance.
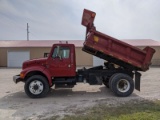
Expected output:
(34, 62)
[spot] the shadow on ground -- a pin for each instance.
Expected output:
(58, 101)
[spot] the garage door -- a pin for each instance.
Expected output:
(97, 61)
(16, 58)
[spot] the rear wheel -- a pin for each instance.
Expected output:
(121, 84)
(36, 86)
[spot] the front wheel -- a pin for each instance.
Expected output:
(36, 86)
(121, 84)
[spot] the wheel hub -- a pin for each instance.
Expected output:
(36, 87)
(123, 85)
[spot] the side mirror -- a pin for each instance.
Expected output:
(46, 55)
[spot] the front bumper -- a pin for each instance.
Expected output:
(17, 78)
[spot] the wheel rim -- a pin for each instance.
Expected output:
(123, 85)
(36, 87)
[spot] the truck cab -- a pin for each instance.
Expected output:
(61, 61)
(59, 69)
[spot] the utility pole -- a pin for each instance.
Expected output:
(27, 32)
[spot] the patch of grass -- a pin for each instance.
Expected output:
(53, 118)
(142, 110)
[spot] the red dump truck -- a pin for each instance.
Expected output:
(123, 62)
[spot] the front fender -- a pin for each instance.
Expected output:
(44, 71)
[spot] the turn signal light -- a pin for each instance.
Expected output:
(22, 75)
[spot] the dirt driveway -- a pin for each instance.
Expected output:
(15, 105)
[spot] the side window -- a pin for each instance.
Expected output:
(62, 52)
(65, 52)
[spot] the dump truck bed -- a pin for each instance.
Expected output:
(112, 49)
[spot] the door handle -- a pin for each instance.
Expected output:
(69, 65)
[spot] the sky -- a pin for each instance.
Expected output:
(61, 19)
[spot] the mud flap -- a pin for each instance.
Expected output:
(137, 80)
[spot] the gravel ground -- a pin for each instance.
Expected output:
(16, 105)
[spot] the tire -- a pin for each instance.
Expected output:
(110, 81)
(36, 86)
(122, 85)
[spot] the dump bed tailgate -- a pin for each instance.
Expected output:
(112, 49)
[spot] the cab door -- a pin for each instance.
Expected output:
(60, 62)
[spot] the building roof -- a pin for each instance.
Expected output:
(36, 43)
(142, 42)
(78, 43)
